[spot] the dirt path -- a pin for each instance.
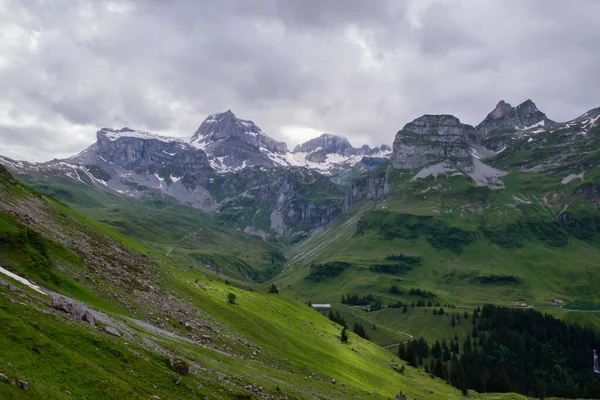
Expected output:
(398, 344)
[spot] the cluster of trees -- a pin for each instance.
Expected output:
(445, 362)
(456, 318)
(368, 300)
(421, 293)
(527, 352)
(360, 330)
(356, 300)
(395, 289)
(327, 270)
(337, 318)
(401, 264)
(513, 350)
(357, 328)
(498, 279)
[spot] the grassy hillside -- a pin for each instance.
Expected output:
(473, 245)
(181, 232)
(164, 311)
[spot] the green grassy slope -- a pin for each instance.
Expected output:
(264, 339)
(159, 222)
(471, 241)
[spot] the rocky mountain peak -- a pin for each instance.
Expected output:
(507, 119)
(502, 108)
(233, 143)
(528, 107)
(222, 125)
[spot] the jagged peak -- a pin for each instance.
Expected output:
(216, 117)
(502, 108)
(528, 105)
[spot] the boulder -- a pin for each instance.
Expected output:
(88, 317)
(69, 306)
(111, 331)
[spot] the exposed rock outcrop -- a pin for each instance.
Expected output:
(432, 138)
(371, 186)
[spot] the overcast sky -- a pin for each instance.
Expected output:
(357, 68)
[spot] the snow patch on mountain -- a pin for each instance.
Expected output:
(113, 135)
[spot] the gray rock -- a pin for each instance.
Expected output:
(111, 331)
(69, 306)
(432, 138)
(20, 384)
(88, 317)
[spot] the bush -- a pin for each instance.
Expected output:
(231, 297)
(273, 289)
(180, 366)
(395, 289)
(344, 335)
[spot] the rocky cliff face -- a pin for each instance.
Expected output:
(432, 138)
(370, 186)
(142, 152)
(285, 200)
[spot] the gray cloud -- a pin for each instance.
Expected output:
(356, 68)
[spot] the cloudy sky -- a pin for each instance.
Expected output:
(358, 68)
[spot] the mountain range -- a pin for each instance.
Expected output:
(229, 167)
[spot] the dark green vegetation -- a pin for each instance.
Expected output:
(405, 226)
(400, 264)
(527, 352)
(327, 270)
(513, 350)
(498, 279)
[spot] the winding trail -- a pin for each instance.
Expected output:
(398, 344)
(182, 239)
